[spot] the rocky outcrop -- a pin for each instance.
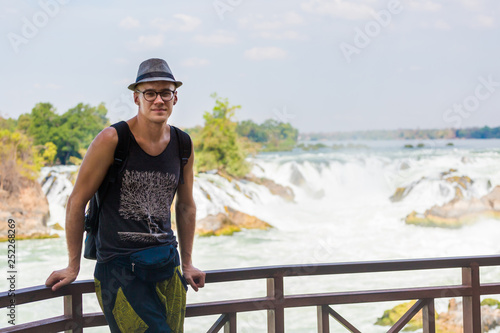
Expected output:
(459, 183)
(283, 191)
(446, 322)
(29, 209)
(459, 211)
(463, 209)
(229, 222)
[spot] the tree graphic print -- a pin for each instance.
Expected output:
(146, 196)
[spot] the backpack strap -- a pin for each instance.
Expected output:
(184, 149)
(121, 152)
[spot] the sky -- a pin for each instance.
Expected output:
(321, 65)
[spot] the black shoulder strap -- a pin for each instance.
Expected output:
(122, 148)
(184, 149)
(121, 152)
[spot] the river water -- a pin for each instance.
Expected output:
(341, 213)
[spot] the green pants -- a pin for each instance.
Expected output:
(132, 305)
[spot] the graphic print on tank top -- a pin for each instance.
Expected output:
(145, 198)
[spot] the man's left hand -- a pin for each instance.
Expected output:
(193, 276)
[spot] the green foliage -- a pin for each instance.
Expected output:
(218, 145)
(48, 152)
(69, 132)
(9, 124)
(479, 133)
(79, 126)
(41, 123)
(273, 135)
(19, 160)
(390, 317)
(252, 131)
(491, 302)
(315, 146)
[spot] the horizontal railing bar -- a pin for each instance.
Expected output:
(94, 319)
(40, 293)
(54, 324)
(350, 297)
(489, 289)
(238, 305)
(375, 296)
(347, 268)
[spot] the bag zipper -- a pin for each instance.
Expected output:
(133, 264)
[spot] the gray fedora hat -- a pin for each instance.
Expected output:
(154, 70)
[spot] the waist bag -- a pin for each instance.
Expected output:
(155, 264)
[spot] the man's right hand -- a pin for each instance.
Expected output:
(61, 278)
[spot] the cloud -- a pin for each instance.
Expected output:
(425, 5)
(129, 23)
(441, 25)
(265, 53)
(339, 8)
(483, 21)
(147, 42)
(438, 24)
(276, 27)
(180, 22)
(258, 22)
(194, 62)
(49, 86)
(472, 4)
(122, 82)
(220, 37)
(121, 61)
(285, 35)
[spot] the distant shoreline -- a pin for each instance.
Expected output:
(407, 134)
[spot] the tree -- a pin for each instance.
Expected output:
(218, 144)
(252, 131)
(19, 160)
(48, 152)
(8, 123)
(272, 135)
(70, 132)
(79, 126)
(41, 123)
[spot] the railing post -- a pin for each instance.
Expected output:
(429, 317)
(323, 319)
(276, 316)
(73, 307)
(230, 326)
(471, 304)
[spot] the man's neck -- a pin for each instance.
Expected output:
(148, 130)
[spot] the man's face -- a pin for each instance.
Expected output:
(156, 110)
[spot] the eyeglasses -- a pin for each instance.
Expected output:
(150, 95)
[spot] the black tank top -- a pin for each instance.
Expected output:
(136, 211)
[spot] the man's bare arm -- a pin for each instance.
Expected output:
(95, 165)
(185, 211)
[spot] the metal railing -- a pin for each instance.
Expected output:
(74, 319)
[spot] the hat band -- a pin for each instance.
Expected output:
(154, 74)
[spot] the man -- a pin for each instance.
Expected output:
(135, 215)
